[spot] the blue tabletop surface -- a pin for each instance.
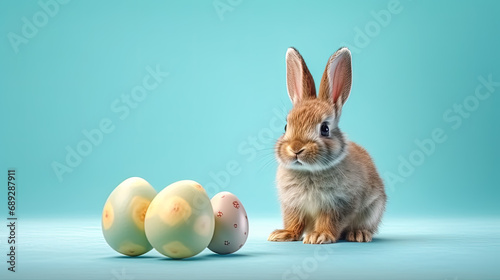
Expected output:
(404, 249)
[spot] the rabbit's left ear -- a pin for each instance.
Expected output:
(335, 85)
(299, 81)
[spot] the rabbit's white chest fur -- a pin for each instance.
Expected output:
(312, 192)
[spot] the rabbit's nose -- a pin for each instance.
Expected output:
(300, 151)
(296, 148)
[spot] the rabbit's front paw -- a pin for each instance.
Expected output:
(283, 235)
(358, 236)
(317, 237)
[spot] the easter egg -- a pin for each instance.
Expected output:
(123, 217)
(179, 222)
(231, 224)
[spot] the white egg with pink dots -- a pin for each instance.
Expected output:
(231, 224)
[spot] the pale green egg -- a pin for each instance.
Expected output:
(179, 222)
(123, 217)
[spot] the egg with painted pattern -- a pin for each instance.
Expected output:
(231, 224)
(123, 217)
(179, 222)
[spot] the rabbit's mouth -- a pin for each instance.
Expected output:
(300, 165)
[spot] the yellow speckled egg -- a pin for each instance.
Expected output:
(179, 222)
(123, 217)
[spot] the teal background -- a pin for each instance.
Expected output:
(223, 105)
(227, 81)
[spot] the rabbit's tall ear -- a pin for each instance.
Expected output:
(336, 82)
(300, 83)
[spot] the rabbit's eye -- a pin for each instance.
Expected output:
(325, 130)
(285, 127)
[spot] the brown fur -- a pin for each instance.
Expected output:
(294, 226)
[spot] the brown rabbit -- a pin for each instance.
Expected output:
(328, 186)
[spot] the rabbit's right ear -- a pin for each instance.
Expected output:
(299, 81)
(336, 82)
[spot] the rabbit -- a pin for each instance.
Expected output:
(328, 186)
